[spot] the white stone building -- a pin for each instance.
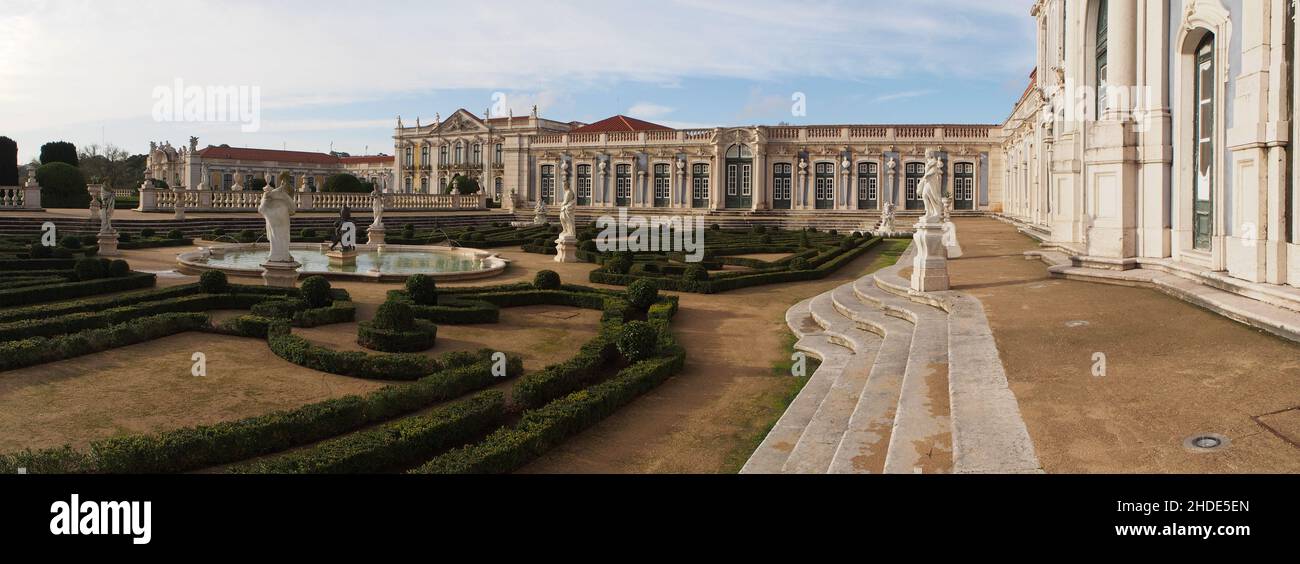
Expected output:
(1157, 134)
(234, 168)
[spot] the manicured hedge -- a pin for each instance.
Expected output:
(395, 445)
(538, 388)
(154, 243)
(420, 337)
(541, 429)
(300, 351)
(73, 322)
(39, 350)
(822, 265)
(204, 446)
(340, 311)
(73, 290)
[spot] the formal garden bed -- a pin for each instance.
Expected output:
(437, 409)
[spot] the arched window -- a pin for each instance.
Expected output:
(1103, 35)
(548, 183)
(424, 184)
(408, 185)
(478, 154)
(442, 155)
(460, 152)
(739, 152)
(1203, 152)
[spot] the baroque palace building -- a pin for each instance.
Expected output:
(626, 162)
(1157, 134)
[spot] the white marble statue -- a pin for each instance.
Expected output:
(931, 190)
(539, 213)
(107, 203)
(567, 210)
(377, 207)
(887, 218)
(277, 207)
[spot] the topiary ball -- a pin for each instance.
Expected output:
(246, 236)
(118, 269)
(643, 293)
(394, 316)
(213, 282)
(316, 292)
(547, 280)
(70, 242)
(619, 264)
(696, 273)
(88, 269)
(175, 234)
(799, 263)
(638, 341)
(422, 289)
(588, 246)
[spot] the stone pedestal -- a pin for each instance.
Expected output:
(566, 249)
(280, 274)
(108, 244)
(375, 235)
(950, 244)
(342, 257)
(930, 266)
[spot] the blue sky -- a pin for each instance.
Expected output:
(331, 73)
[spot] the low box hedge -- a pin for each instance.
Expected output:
(73, 290)
(295, 349)
(420, 338)
(392, 446)
(73, 322)
(541, 429)
(39, 350)
(204, 446)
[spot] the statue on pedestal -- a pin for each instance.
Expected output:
(931, 190)
(107, 203)
(336, 237)
(277, 206)
(539, 213)
(887, 218)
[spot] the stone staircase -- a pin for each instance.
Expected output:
(909, 383)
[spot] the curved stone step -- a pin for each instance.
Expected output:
(865, 442)
(772, 454)
(821, 437)
(838, 327)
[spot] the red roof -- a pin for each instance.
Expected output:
(247, 154)
(620, 123)
(368, 159)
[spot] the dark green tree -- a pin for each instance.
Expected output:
(62, 186)
(344, 182)
(8, 162)
(59, 152)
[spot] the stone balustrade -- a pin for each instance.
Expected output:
(20, 198)
(906, 133)
(247, 201)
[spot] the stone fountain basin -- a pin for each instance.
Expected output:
(440, 262)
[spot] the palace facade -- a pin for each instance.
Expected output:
(1157, 134)
(626, 162)
(234, 168)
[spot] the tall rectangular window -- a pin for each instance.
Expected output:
(700, 183)
(584, 184)
(548, 183)
(623, 183)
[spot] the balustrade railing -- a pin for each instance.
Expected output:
(937, 133)
(245, 201)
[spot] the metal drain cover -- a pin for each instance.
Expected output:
(1206, 442)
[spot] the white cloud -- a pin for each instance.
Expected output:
(67, 64)
(903, 95)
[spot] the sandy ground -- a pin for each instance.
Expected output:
(1172, 370)
(149, 387)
